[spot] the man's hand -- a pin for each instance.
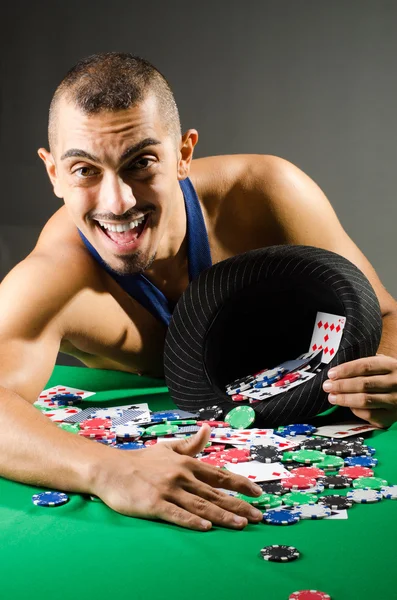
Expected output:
(165, 482)
(368, 386)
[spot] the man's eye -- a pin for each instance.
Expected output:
(134, 164)
(85, 171)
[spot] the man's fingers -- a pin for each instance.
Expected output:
(209, 511)
(175, 514)
(194, 444)
(363, 401)
(221, 478)
(375, 384)
(378, 418)
(372, 365)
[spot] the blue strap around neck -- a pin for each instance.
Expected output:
(198, 252)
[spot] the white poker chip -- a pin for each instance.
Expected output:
(389, 492)
(365, 496)
(60, 414)
(314, 511)
(129, 431)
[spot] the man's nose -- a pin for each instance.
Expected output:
(116, 195)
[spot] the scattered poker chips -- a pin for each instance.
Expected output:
(337, 482)
(277, 553)
(211, 413)
(308, 456)
(365, 496)
(314, 511)
(240, 417)
(361, 461)
(389, 492)
(299, 499)
(374, 483)
(309, 595)
(335, 502)
(265, 454)
(280, 517)
(298, 482)
(50, 499)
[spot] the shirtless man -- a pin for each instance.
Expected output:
(117, 155)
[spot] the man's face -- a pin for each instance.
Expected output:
(118, 175)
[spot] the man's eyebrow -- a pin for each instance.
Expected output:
(77, 153)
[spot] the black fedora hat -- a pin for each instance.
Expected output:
(256, 310)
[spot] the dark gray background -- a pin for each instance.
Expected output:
(312, 81)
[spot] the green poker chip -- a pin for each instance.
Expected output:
(183, 422)
(299, 498)
(71, 427)
(287, 457)
(309, 456)
(263, 501)
(331, 462)
(240, 417)
(373, 483)
(162, 429)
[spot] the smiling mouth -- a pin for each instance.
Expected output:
(124, 233)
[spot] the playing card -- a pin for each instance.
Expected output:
(257, 471)
(64, 389)
(338, 514)
(327, 334)
(344, 430)
(273, 390)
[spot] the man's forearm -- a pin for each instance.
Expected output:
(388, 343)
(34, 450)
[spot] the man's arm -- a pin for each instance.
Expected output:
(303, 215)
(162, 482)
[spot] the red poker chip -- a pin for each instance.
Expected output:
(308, 472)
(298, 482)
(96, 424)
(239, 398)
(236, 455)
(356, 472)
(150, 443)
(98, 434)
(213, 423)
(214, 448)
(309, 595)
(214, 462)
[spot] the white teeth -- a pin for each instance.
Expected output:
(124, 227)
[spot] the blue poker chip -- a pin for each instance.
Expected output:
(130, 446)
(299, 429)
(66, 399)
(361, 461)
(370, 450)
(281, 517)
(164, 416)
(50, 499)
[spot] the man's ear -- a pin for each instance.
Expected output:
(188, 142)
(49, 162)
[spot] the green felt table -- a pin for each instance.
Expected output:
(85, 550)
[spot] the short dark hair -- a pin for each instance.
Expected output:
(115, 81)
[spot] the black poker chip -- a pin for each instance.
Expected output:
(265, 454)
(277, 553)
(210, 413)
(340, 448)
(358, 449)
(337, 482)
(335, 502)
(316, 444)
(273, 487)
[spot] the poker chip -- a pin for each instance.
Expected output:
(164, 416)
(265, 454)
(214, 462)
(280, 517)
(370, 450)
(50, 499)
(373, 483)
(184, 422)
(286, 457)
(66, 399)
(308, 456)
(315, 444)
(71, 427)
(149, 443)
(338, 449)
(356, 472)
(389, 492)
(210, 413)
(273, 487)
(239, 398)
(262, 501)
(317, 489)
(235, 455)
(335, 502)
(309, 595)
(218, 424)
(314, 511)
(277, 553)
(361, 461)
(240, 417)
(331, 462)
(298, 482)
(96, 424)
(214, 448)
(337, 482)
(164, 429)
(130, 446)
(98, 434)
(365, 496)
(299, 499)
(313, 472)
(299, 429)
(106, 413)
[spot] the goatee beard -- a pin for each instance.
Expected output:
(134, 264)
